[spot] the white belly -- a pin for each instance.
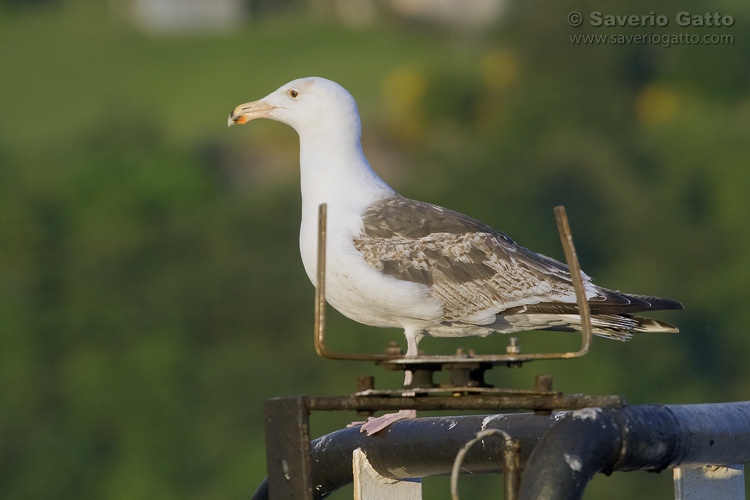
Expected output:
(363, 293)
(366, 295)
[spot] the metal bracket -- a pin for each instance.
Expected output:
(513, 358)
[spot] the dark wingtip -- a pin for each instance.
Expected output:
(655, 303)
(665, 304)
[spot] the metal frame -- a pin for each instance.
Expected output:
(512, 359)
(287, 427)
(645, 437)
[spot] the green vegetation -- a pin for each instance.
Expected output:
(151, 293)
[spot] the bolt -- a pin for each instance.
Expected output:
(543, 383)
(513, 348)
(365, 383)
(393, 349)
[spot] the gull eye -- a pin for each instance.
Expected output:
(293, 94)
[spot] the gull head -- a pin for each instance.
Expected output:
(306, 104)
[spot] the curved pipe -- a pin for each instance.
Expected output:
(419, 447)
(648, 437)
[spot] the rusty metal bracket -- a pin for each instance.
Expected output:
(513, 358)
(320, 299)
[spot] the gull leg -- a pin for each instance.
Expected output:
(412, 349)
(377, 424)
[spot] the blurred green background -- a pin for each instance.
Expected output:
(151, 292)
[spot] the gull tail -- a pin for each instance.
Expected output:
(612, 315)
(616, 326)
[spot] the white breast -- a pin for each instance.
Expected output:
(359, 291)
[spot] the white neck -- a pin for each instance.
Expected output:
(334, 171)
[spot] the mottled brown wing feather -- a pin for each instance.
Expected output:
(470, 266)
(473, 268)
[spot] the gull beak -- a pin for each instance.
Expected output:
(250, 111)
